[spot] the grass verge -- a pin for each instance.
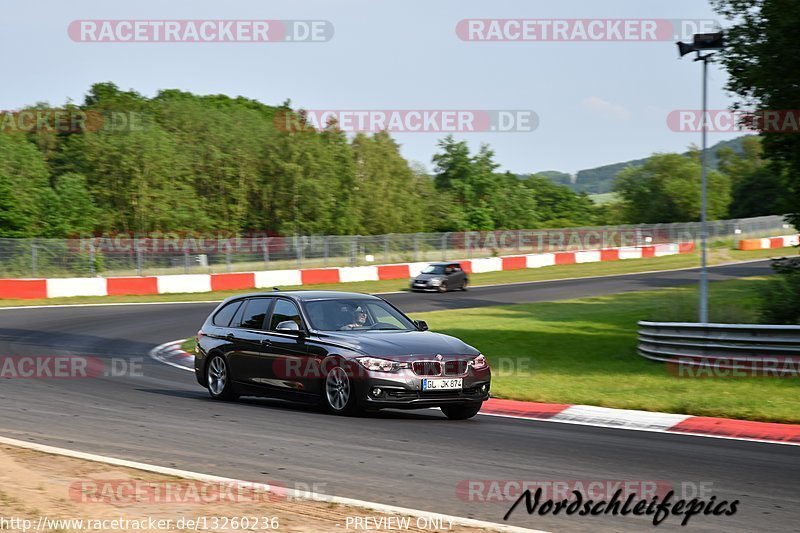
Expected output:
(629, 266)
(584, 352)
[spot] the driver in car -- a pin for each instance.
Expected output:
(359, 319)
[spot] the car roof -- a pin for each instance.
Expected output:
(446, 263)
(309, 295)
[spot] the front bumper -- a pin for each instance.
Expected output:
(416, 286)
(403, 390)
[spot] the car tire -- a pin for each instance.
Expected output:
(338, 393)
(461, 412)
(442, 287)
(219, 381)
(464, 285)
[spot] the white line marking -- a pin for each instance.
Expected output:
(293, 494)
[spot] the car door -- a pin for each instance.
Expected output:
(248, 340)
(295, 369)
(459, 276)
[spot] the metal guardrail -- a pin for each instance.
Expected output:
(751, 347)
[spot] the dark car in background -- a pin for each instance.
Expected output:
(441, 277)
(344, 351)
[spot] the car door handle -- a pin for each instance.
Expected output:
(230, 337)
(266, 342)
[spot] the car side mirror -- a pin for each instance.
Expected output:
(288, 326)
(422, 325)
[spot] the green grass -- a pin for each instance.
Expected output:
(584, 352)
(604, 198)
(717, 255)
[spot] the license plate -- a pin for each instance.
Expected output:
(442, 384)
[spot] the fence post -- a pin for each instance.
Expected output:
(265, 249)
(325, 252)
(185, 261)
(444, 246)
(386, 248)
(34, 258)
(228, 264)
(91, 259)
(416, 246)
(353, 250)
(138, 257)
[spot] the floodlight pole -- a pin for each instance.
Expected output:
(704, 197)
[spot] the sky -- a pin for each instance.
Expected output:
(595, 102)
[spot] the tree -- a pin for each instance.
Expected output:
(68, 209)
(762, 56)
(757, 187)
(23, 179)
(667, 189)
(558, 205)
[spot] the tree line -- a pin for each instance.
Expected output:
(179, 162)
(184, 162)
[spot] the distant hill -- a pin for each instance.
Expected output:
(600, 180)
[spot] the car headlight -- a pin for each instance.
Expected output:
(436, 281)
(380, 365)
(479, 363)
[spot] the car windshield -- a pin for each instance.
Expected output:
(356, 315)
(433, 269)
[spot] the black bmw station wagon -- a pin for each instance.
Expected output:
(344, 351)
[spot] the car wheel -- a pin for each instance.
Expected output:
(338, 394)
(443, 287)
(464, 285)
(461, 412)
(218, 379)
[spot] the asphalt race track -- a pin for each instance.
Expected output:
(409, 459)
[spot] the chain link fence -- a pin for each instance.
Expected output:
(127, 255)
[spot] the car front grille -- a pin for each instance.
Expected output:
(427, 368)
(436, 368)
(455, 368)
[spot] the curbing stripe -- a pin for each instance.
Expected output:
(293, 494)
(194, 283)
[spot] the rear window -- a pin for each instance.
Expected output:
(223, 316)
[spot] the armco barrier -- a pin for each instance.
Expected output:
(189, 283)
(783, 241)
(751, 347)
